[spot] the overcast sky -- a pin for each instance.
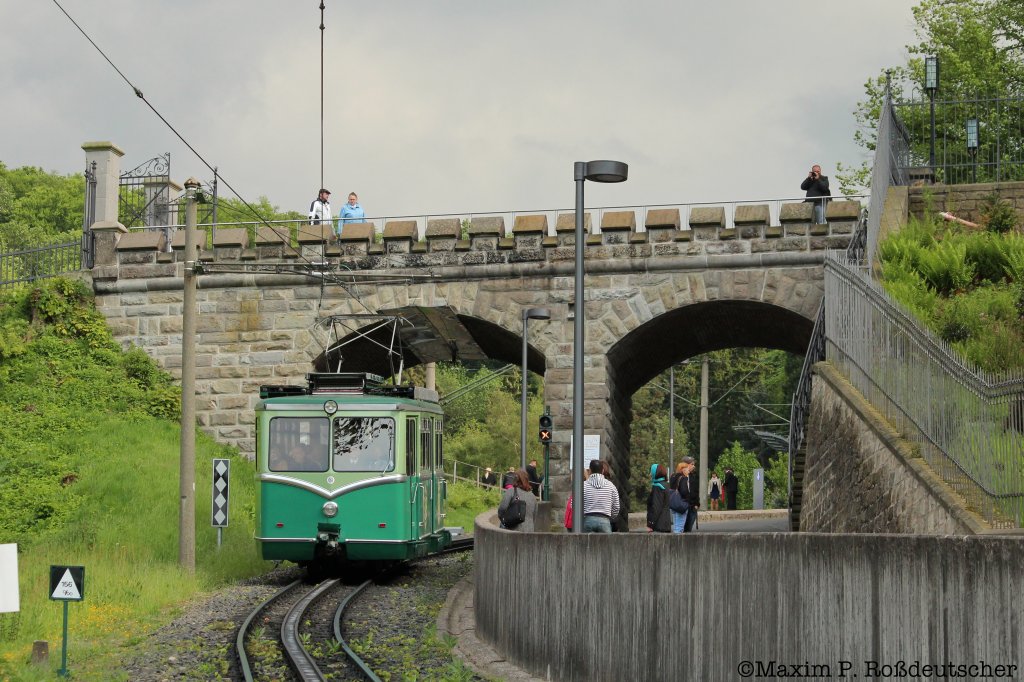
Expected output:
(445, 106)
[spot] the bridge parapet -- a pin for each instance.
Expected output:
(703, 232)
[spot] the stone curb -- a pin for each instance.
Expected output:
(457, 619)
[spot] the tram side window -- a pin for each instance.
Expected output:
(425, 446)
(298, 444)
(439, 445)
(411, 433)
(364, 444)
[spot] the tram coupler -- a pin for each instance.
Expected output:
(327, 538)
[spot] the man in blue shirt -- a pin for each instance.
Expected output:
(351, 212)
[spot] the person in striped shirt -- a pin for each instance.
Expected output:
(600, 501)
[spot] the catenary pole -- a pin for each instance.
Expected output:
(187, 474)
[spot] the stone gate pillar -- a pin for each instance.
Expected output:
(106, 229)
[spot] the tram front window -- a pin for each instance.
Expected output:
(364, 444)
(298, 444)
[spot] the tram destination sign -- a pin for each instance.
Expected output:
(67, 583)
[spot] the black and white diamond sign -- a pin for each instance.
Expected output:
(221, 476)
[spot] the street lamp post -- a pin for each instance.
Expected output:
(528, 314)
(931, 84)
(595, 171)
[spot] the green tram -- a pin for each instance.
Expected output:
(349, 469)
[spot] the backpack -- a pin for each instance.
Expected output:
(515, 512)
(676, 500)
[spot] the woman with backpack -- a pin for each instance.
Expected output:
(659, 518)
(518, 507)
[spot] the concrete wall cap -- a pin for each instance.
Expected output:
(566, 222)
(315, 234)
(843, 209)
(444, 228)
(178, 239)
(662, 217)
(800, 212)
(268, 235)
(530, 224)
(489, 225)
(108, 226)
(231, 237)
(751, 214)
(707, 216)
(142, 241)
(401, 229)
(102, 147)
(356, 232)
(618, 220)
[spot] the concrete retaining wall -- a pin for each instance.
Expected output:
(862, 477)
(632, 606)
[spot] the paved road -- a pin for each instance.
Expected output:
(746, 526)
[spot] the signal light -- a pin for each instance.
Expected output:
(545, 431)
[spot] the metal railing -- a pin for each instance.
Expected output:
(595, 216)
(28, 265)
(979, 139)
(967, 424)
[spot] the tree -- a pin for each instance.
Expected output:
(37, 207)
(743, 463)
(978, 44)
(648, 440)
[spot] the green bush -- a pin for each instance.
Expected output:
(988, 254)
(945, 267)
(998, 215)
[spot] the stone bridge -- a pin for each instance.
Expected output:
(680, 286)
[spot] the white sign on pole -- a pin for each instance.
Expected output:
(591, 449)
(9, 579)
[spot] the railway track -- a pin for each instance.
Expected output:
(297, 599)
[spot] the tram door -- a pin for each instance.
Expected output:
(426, 477)
(412, 441)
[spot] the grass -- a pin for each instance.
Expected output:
(125, 534)
(466, 501)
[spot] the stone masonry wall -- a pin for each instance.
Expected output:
(257, 314)
(964, 201)
(861, 477)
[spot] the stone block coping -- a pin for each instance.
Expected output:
(491, 226)
(683, 236)
(315, 234)
(444, 228)
(231, 237)
(400, 229)
(773, 231)
(142, 241)
(802, 212)
(178, 239)
(638, 238)
(566, 222)
(843, 210)
(356, 232)
(419, 247)
(707, 216)
(506, 243)
(272, 236)
(549, 241)
(530, 224)
(751, 214)
(593, 240)
(662, 218)
(613, 221)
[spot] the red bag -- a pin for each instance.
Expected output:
(568, 514)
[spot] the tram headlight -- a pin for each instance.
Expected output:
(330, 509)
(330, 407)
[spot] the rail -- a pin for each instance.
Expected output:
(968, 424)
(29, 265)
(506, 220)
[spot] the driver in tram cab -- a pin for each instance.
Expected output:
(302, 457)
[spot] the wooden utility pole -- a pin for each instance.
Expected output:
(187, 476)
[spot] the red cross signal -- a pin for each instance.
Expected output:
(545, 429)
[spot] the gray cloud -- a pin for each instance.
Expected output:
(453, 106)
